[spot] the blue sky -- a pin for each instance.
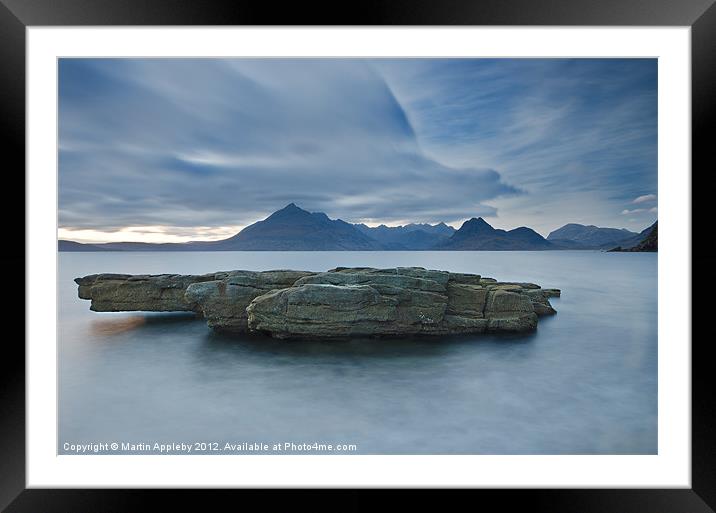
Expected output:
(187, 149)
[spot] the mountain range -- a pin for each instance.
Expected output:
(476, 234)
(409, 237)
(646, 241)
(579, 236)
(295, 229)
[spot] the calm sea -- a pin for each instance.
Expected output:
(584, 383)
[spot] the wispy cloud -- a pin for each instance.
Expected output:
(645, 198)
(223, 142)
(627, 211)
(579, 136)
(149, 233)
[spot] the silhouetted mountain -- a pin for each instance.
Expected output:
(409, 237)
(478, 235)
(295, 229)
(69, 245)
(579, 236)
(648, 240)
(433, 229)
(419, 239)
(635, 241)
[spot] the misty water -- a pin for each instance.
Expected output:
(584, 383)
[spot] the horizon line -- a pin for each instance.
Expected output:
(236, 229)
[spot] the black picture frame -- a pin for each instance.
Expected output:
(16, 15)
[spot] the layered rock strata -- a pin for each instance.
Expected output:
(342, 302)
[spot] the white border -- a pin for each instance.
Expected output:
(671, 468)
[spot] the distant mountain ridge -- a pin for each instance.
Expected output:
(478, 235)
(579, 236)
(295, 229)
(409, 237)
(646, 241)
(69, 245)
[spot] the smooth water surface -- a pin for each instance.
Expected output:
(584, 383)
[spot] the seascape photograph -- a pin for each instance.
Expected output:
(388, 256)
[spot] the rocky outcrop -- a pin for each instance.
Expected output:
(139, 292)
(223, 301)
(342, 302)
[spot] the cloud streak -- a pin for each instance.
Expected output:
(216, 143)
(627, 211)
(645, 198)
(579, 136)
(181, 143)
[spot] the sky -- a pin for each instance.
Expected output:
(171, 150)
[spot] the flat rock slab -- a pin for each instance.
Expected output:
(342, 302)
(139, 292)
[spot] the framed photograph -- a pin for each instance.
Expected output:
(359, 255)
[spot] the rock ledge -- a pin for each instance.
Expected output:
(342, 302)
